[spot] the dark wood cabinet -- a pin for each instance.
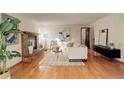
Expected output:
(26, 56)
(107, 51)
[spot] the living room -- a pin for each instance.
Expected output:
(64, 42)
(61, 46)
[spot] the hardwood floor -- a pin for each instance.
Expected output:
(95, 68)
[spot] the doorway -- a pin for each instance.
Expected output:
(85, 36)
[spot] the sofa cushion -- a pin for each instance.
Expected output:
(82, 45)
(70, 44)
(76, 45)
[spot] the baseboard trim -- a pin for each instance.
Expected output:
(119, 61)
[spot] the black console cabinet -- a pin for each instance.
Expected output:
(107, 51)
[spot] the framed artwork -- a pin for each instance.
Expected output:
(103, 37)
(64, 35)
(10, 39)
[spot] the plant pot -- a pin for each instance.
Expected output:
(5, 75)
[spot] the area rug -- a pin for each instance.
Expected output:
(61, 60)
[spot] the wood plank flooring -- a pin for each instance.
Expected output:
(96, 67)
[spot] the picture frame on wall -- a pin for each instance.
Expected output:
(64, 34)
(11, 39)
(103, 37)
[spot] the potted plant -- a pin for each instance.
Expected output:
(7, 27)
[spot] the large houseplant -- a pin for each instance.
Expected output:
(7, 27)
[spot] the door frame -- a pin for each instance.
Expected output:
(87, 34)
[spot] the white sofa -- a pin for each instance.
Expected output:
(77, 53)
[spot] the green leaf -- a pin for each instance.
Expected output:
(8, 54)
(15, 54)
(3, 47)
(3, 58)
(15, 23)
(10, 32)
(6, 26)
(9, 24)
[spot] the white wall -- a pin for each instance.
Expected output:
(53, 31)
(25, 25)
(115, 25)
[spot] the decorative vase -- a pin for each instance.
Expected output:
(30, 48)
(112, 47)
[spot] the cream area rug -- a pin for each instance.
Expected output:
(58, 60)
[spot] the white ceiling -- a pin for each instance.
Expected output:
(64, 18)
